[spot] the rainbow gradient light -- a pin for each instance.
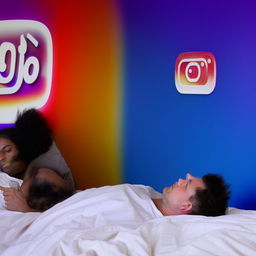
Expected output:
(83, 104)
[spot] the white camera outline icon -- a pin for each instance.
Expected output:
(192, 87)
(192, 62)
(24, 30)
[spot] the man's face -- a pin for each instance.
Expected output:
(176, 197)
(8, 154)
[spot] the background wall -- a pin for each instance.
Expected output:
(83, 107)
(116, 113)
(167, 134)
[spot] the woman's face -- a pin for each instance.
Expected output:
(8, 154)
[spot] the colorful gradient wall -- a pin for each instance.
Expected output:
(83, 107)
(114, 107)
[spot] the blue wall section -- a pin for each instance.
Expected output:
(167, 134)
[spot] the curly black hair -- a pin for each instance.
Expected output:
(212, 201)
(31, 134)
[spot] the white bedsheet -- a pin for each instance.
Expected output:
(70, 228)
(7, 181)
(233, 234)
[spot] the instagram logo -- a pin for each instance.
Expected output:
(25, 67)
(195, 73)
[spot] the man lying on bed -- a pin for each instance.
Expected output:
(41, 189)
(207, 196)
(137, 203)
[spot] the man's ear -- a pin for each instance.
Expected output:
(186, 206)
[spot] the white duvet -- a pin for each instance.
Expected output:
(62, 230)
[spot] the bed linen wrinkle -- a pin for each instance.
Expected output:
(71, 228)
(159, 237)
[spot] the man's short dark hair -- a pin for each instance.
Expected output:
(43, 194)
(212, 201)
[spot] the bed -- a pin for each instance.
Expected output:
(64, 230)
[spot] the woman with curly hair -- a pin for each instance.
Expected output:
(20, 147)
(30, 137)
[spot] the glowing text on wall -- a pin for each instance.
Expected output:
(25, 66)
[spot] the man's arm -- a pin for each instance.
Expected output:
(15, 200)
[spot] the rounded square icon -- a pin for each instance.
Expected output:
(26, 59)
(195, 73)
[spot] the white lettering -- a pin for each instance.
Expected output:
(28, 69)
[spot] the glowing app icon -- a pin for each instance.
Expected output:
(195, 73)
(26, 58)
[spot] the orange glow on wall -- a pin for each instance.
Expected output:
(84, 104)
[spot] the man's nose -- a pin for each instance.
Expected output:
(181, 181)
(189, 176)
